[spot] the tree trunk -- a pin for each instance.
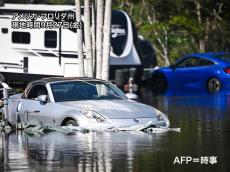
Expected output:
(199, 19)
(164, 46)
(99, 36)
(88, 43)
(106, 40)
(79, 40)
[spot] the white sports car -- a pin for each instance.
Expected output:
(84, 102)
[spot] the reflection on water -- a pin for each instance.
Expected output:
(205, 124)
(94, 151)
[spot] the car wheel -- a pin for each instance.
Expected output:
(159, 83)
(213, 85)
(71, 122)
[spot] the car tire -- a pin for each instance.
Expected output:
(213, 85)
(159, 83)
(71, 122)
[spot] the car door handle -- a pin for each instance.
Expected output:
(36, 111)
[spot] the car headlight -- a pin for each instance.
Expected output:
(94, 115)
(162, 117)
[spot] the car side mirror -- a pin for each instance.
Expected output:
(42, 98)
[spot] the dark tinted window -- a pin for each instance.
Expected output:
(21, 37)
(188, 62)
(205, 62)
(50, 39)
(194, 62)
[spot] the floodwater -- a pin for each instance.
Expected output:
(204, 120)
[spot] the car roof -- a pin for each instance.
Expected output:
(58, 79)
(209, 55)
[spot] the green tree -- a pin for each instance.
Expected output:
(177, 27)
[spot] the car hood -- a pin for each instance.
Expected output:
(115, 109)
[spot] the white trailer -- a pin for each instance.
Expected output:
(28, 53)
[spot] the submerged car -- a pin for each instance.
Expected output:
(84, 102)
(204, 70)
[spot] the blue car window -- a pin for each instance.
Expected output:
(205, 62)
(188, 62)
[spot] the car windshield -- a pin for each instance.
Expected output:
(85, 90)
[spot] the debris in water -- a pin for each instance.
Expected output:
(161, 130)
(35, 127)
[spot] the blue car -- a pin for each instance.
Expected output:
(204, 70)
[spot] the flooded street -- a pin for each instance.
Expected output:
(205, 131)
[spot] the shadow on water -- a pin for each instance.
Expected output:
(204, 119)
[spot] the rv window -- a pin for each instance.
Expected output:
(50, 39)
(21, 37)
(4, 30)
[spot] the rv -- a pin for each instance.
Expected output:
(33, 45)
